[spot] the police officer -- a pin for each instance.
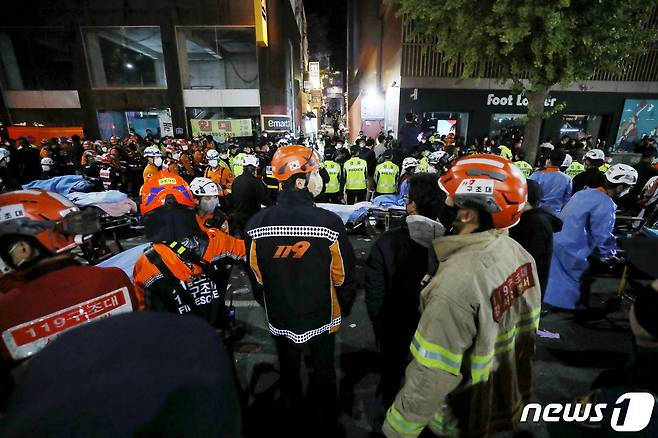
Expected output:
(592, 176)
(302, 256)
(334, 188)
(355, 174)
(386, 176)
(519, 161)
(574, 169)
(238, 164)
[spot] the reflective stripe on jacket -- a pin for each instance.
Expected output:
(386, 177)
(356, 174)
(475, 343)
(333, 169)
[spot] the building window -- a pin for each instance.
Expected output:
(125, 57)
(121, 122)
(218, 57)
(445, 123)
(37, 59)
(579, 126)
(507, 125)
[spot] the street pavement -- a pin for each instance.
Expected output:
(564, 369)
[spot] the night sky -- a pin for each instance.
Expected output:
(327, 29)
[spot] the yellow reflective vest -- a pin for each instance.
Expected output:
(505, 152)
(386, 177)
(604, 167)
(355, 171)
(238, 166)
(574, 169)
(524, 167)
(333, 169)
(423, 165)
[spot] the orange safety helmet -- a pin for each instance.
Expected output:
(291, 160)
(50, 218)
(489, 182)
(160, 186)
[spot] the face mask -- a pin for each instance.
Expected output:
(223, 156)
(362, 144)
(208, 204)
(184, 147)
(176, 156)
(314, 183)
(103, 149)
(213, 163)
(432, 169)
(624, 192)
(157, 161)
(45, 168)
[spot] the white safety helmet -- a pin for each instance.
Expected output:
(567, 161)
(203, 187)
(621, 174)
(212, 155)
(47, 163)
(595, 154)
(435, 157)
(4, 155)
(152, 152)
(547, 145)
(409, 162)
(250, 160)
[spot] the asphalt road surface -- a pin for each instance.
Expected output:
(567, 361)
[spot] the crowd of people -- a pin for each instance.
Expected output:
(525, 232)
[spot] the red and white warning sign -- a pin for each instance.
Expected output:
(28, 338)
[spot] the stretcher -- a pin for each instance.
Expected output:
(371, 217)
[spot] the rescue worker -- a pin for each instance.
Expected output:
(248, 194)
(555, 184)
(186, 270)
(592, 176)
(155, 161)
(219, 174)
(423, 163)
(475, 343)
(224, 157)
(334, 188)
(186, 160)
(588, 221)
(110, 173)
(47, 168)
(386, 176)
(408, 169)
(209, 214)
(303, 258)
(49, 291)
(355, 174)
(438, 162)
(396, 269)
(505, 151)
(8, 179)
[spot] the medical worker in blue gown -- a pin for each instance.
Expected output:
(588, 221)
(555, 184)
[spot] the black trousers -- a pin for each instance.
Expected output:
(394, 347)
(354, 196)
(334, 198)
(318, 409)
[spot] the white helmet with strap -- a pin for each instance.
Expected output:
(621, 174)
(435, 157)
(204, 187)
(250, 160)
(152, 151)
(595, 154)
(409, 162)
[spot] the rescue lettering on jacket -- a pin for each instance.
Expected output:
(515, 285)
(203, 291)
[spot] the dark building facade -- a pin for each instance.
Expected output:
(170, 66)
(389, 75)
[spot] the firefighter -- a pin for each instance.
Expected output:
(386, 176)
(474, 346)
(111, 174)
(186, 160)
(220, 175)
(186, 270)
(47, 168)
(355, 174)
(154, 157)
(333, 190)
(49, 291)
(209, 214)
(302, 256)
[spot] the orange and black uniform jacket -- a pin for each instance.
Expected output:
(154, 292)
(301, 255)
(222, 177)
(56, 295)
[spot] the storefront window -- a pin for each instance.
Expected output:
(37, 60)
(218, 57)
(639, 119)
(579, 126)
(125, 57)
(507, 125)
(119, 123)
(445, 123)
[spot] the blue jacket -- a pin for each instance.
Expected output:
(588, 220)
(556, 187)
